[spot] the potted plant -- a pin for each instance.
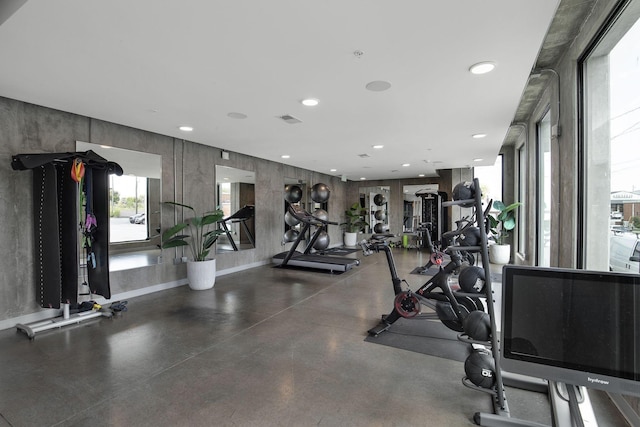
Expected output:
(500, 225)
(354, 224)
(202, 234)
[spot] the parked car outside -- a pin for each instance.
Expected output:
(138, 218)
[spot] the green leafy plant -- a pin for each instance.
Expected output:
(501, 224)
(355, 219)
(202, 229)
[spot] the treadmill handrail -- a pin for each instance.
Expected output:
(304, 216)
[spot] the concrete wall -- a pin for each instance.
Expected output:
(188, 176)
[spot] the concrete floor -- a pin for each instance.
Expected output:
(265, 347)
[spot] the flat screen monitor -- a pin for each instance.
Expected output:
(572, 326)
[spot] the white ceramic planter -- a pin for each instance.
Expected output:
(201, 274)
(500, 254)
(350, 239)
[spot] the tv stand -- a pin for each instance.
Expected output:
(570, 407)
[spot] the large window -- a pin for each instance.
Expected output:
(543, 228)
(610, 83)
(490, 178)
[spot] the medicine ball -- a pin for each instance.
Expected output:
(477, 325)
(379, 215)
(379, 199)
(321, 214)
(292, 193)
(480, 368)
(470, 237)
(291, 235)
(471, 279)
(320, 193)
(290, 220)
(322, 242)
(464, 191)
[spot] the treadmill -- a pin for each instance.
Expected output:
(241, 216)
(306, 259)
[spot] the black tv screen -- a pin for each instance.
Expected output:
(572, 326)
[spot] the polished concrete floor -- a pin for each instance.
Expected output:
(264, 347)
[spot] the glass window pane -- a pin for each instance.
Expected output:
(611, 87)
(544, 191)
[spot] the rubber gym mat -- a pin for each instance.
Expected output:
(424, 336)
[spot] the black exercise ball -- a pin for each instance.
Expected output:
(379, 215)
(465, 191)
(321, 214)
(380, 228)
(291, 235)
(471, 279)
(379, 199)
(322, 242)
(290, 220)
(320, 193)
(477, 325)
(480, 368)
(292, 193)
(470, 237)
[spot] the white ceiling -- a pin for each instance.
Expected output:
(156, 65)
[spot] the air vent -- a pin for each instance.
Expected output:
(364, 156)
(290, 119)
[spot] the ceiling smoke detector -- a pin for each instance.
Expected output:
(290, 119)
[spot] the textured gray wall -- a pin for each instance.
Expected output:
(188, 176)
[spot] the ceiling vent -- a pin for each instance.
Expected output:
(290, 119)
(364, 156)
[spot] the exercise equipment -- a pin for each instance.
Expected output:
(450, 307)
(320, 193)
(290, 220)
(71, 216)
(477, 325)
(379, 199)
(322, 242)
(480, 368)
(471, 279)
(434, 214)
(307, 259)
(242, 216)
(292, 193)
(464, 192)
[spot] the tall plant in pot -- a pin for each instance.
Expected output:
(354, 224)
(199, 233)
(500, 226)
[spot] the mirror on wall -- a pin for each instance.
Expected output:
(236, 198)
(134, 206)
(375, 200)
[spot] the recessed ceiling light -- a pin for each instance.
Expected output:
(477, 160)
(235, 115)
(377, 147)
(404, 165)
(362, 178)
(310, 102)
(421, 175)
(378, 86)
(333, 170)
(479, 135)
(482, 67)
(285, 156)
(185, 128)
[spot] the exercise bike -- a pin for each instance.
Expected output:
(451, 307)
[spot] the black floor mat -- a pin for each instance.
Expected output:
(424, 336)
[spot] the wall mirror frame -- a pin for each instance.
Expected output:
(235, 190)
(134, 205)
